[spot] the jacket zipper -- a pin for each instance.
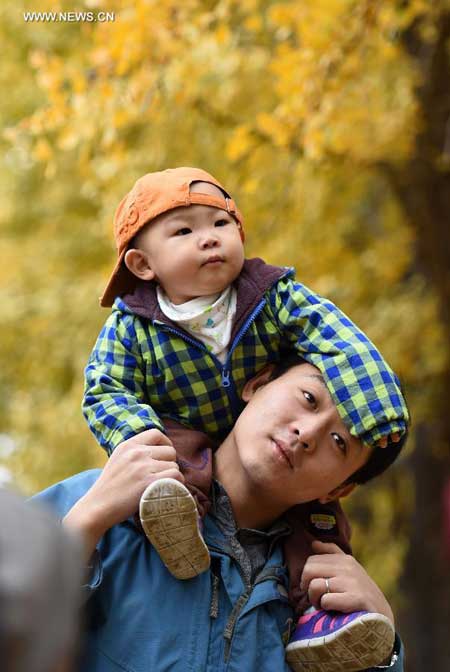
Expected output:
(240, 604)
(226, 372)
(236, 612)
(198, 344)
(226, 379)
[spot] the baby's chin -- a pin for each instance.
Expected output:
(214, 288)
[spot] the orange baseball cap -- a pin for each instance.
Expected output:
(152, 195)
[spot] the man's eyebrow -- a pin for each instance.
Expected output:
(317, 377)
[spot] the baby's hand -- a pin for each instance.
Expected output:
(383, 442)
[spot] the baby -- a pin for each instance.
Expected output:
(192, 322)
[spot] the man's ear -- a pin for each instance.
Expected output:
(261, 378)
(341, 491)
(137, 262)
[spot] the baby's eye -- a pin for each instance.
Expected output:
(221, 222)
(310, 398)
(183, 232)
(340, 442)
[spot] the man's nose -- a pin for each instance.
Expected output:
(307, 433)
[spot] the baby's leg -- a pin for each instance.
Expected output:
(326, 641)
(170, 514)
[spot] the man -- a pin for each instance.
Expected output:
(288, 446)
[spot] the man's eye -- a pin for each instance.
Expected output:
(183, 232)
(221, 222)
(340, 442)
(310, 398)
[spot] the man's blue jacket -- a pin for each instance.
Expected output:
(141, 619)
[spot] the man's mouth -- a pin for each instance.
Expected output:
(284, 451)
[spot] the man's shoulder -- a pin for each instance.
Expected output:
(61, 496)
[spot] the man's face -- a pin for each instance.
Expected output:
(193, 251)
(291, 442)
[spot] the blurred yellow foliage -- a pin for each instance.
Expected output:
(295, 106)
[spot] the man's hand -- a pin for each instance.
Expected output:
(115, 496)
(350, 587)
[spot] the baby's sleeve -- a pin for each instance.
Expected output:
(309, 323)
(115, 401)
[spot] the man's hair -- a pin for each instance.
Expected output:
(380, 458)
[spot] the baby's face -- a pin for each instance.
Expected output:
(193, 251)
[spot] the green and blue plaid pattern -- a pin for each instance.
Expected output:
(364, 388)
(140, 371)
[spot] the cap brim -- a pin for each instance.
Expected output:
(121, 282)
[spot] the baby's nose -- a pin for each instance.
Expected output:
(208, 241)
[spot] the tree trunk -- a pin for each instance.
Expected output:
(423, 188)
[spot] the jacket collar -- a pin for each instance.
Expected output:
(254, 280)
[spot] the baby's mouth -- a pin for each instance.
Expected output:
(215, 259)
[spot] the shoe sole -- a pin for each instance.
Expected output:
(365, 642)
(169, 517)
